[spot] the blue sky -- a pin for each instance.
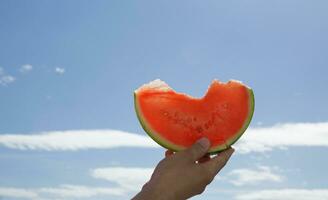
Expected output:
(72, 66)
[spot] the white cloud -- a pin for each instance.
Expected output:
(62, 191)
(26, 68)
(130, 179)
(285, 194)
(60, 70)
(5, 79)
(78, 191)
(260, 139)
(76, 140)
(240, 177)
(281, 136)
(17, 193)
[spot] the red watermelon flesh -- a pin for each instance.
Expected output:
(176, 120)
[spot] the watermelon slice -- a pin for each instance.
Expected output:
(176, 120)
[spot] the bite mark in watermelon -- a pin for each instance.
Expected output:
(176, 120)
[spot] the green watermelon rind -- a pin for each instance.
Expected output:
(168, 145)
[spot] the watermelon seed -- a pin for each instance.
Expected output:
(210, 123)
(213, 116)
(225, 105)
(165, 113)
(219, 115)
(199, 129)
(190, 134)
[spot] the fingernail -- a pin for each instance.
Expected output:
(204, 142)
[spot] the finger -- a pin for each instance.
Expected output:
(168, 153)
(145, 185)
(204, 159)
(218, 162)
(197, 150)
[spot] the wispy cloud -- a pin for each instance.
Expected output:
(5, 79)
(59, 70)
(78, 191)
(260, 139)
(244, 176)
(285, 194)
(129, 179)
(10, 192)
(60, 192)
(89, 192)
(25, 68)
(282, 136)
(76, 140)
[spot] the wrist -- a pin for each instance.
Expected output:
(150, 192)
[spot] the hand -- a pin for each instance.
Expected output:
(184, 174)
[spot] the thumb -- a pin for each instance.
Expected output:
(198, 150)
(218, 162)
